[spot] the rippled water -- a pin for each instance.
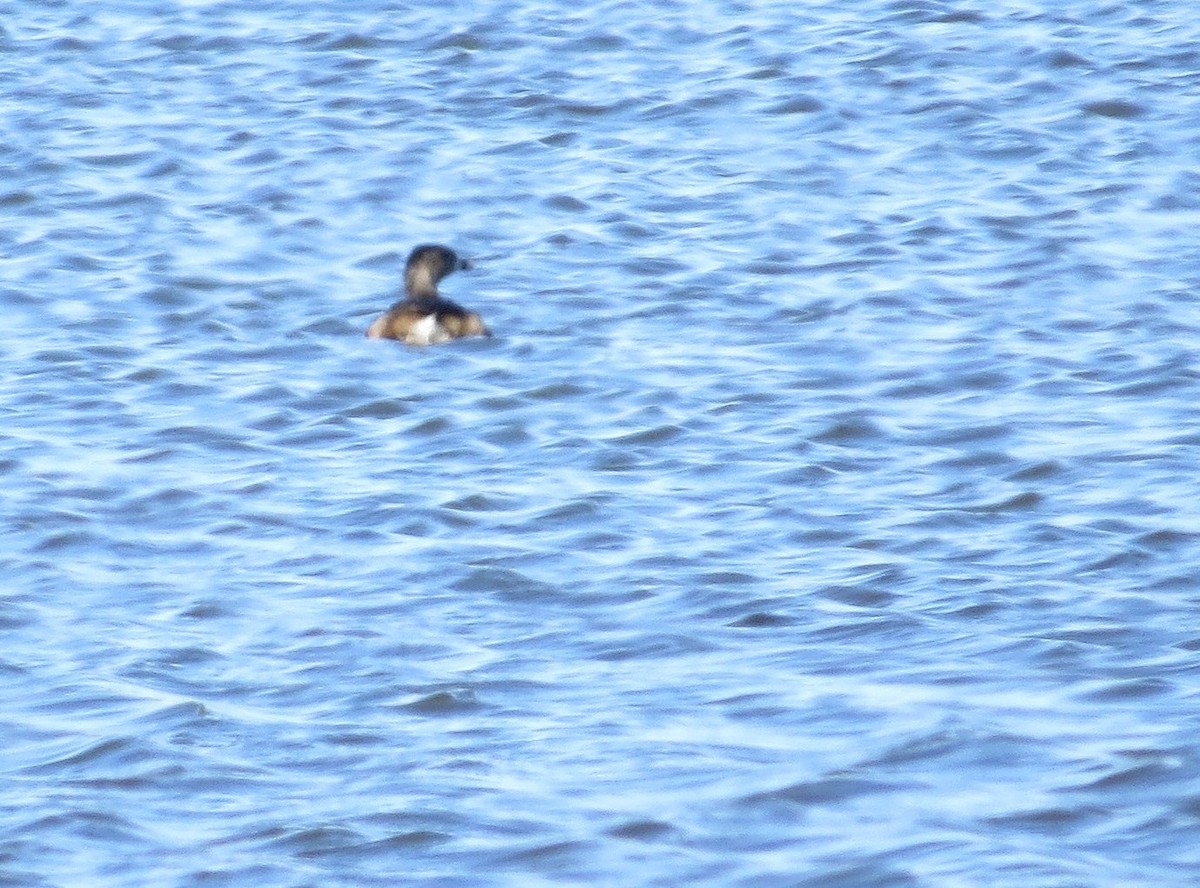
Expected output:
(824, 512)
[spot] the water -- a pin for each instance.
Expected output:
(822, 514)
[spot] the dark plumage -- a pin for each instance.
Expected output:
(423, 317)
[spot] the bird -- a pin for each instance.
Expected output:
(423, 317)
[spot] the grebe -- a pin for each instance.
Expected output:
(423, 317)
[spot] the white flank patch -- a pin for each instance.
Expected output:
(424, 331)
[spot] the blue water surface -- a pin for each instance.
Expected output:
(823, 513)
